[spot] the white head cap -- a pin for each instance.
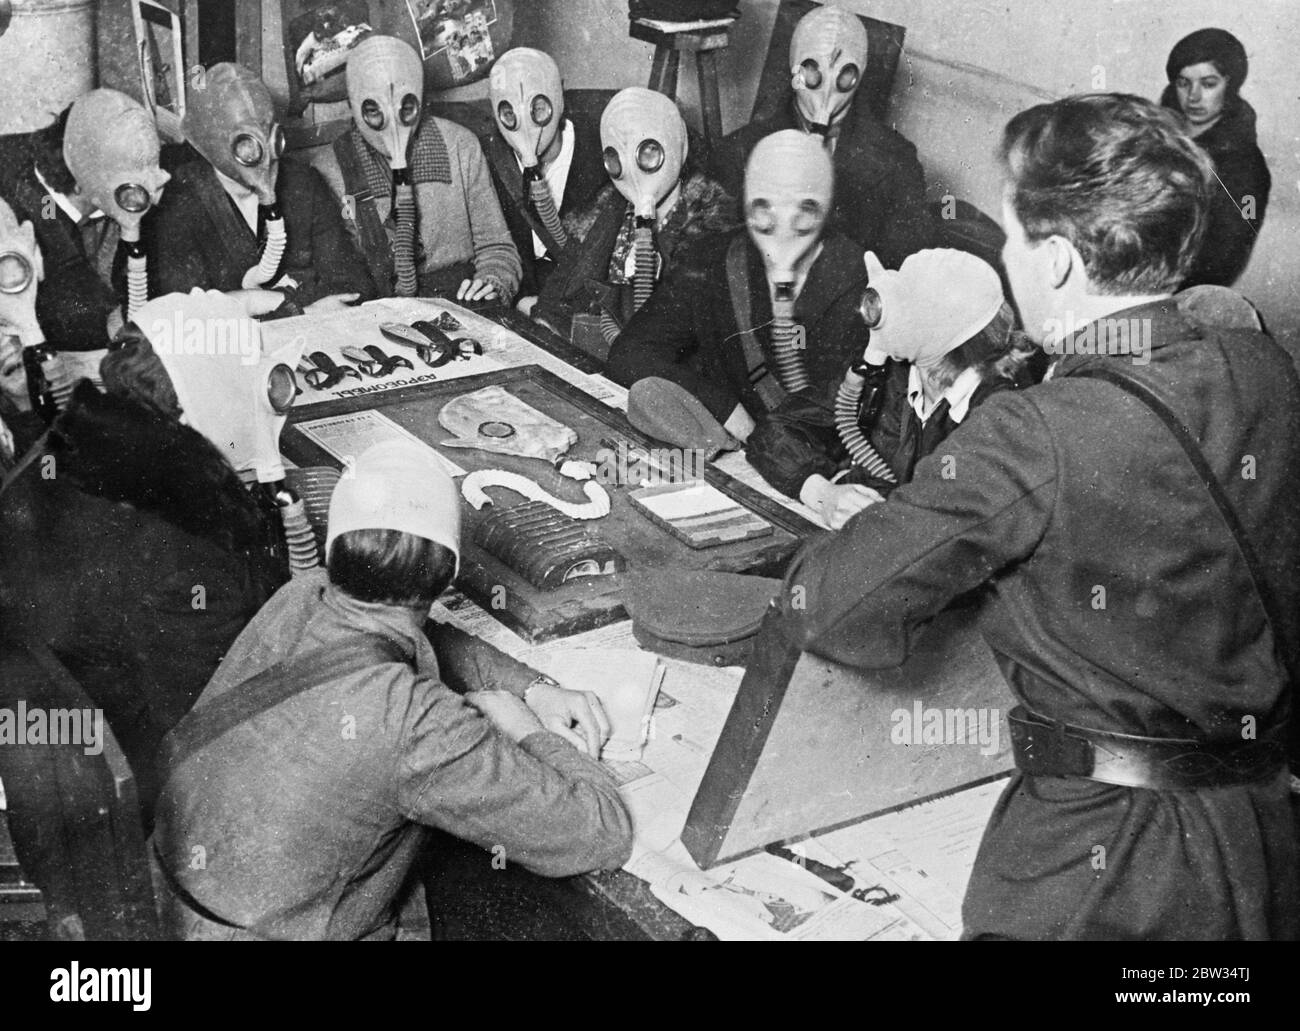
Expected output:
(397, 485)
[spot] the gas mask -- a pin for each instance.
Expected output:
(231, 122)
(788, 184)
(21, 268)
(828, 56)
(229, 389)
(527, 102)
(111, 149)
(385, 87)
(644, 139)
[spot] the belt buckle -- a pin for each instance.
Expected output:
(1045, 748)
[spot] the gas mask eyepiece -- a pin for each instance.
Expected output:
(16, 273)
(132, 197)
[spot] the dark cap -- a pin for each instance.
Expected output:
(1218, 47)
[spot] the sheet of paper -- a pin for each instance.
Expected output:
(627, 683)
(348, 436)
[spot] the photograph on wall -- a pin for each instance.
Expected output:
(460, 28)
(317, 38)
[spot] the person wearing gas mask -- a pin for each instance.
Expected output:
(131, 554)
(22, 341)
(654, 207)
(240, 218)
(750, 318)
(1133, 518)
(418, 193)
(879, 183)
(87, 183)
(942, 342)
(545, 158)
(313, 826)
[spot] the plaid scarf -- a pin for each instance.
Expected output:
(430, 161)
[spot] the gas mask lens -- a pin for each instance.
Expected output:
(15, 273)
(650, 156)
(810, 74)
(277, 142)
(409, 110)
(870, 308)
(761, 219)
(808, 217)
(506, 115)
(247, 149)
(371, 115)
(847, 79)
(543, 112)
(132, 197)
(613, 165)
(281, 388)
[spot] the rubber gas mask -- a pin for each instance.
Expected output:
(527, 102)
(644, 140)
(111, 148)
(21, 269)
(229, 389)
(788, 188)
(385, 91)
(828, 56)
(230, 120)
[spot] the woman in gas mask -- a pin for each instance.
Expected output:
(240, 217)
(746, 319)
(131, 554)
(653, 209)
(545, 158)
(942, 342)
(417, 188)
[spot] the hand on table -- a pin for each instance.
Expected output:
(257, 301)
(577, 716)
(477, 290)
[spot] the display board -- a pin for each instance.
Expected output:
(602, 432)
(810, 745)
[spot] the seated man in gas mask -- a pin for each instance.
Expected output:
(92, 176)
(545, 158)
(240, 217)
(628, 241)
(942, 343)
(879, 183)
(131, 556)
(332, 737)
(746, 320)
(417, 189)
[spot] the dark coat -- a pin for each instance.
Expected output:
(131, 549)
(587, 177)
(198, 238)
(687, 332)
(879, 183)
(798, 439)
(1243, 179)
(1059, 490)
(73, 302)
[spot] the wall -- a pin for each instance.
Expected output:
(970, 64)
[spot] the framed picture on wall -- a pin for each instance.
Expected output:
(462, 29)
(317, 37)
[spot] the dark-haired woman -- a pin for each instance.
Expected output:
(946, 347)
(1206, 71)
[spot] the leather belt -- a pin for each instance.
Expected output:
(1044, 747)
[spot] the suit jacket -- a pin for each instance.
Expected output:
(1119, 602)
(879, 183)
(688, 333)
(198, 238)
(586, 178)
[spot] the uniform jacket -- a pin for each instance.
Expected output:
(131, 549)
(313, 811)
(587, 177)
(1119, 603)
(799, 439)
(687, 331)
(879, 183)
(200, 239)
(461, 231)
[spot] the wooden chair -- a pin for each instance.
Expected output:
(884, 47)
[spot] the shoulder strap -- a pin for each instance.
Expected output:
(768, 388)
(373, 237)
(501, 159)
(264, 691)
(1272, 610)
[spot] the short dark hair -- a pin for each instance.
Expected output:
(132, 369)
(1119, 178)
(47, 154)
(389, 567)
(998, 351)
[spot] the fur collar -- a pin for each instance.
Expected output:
(123, 450)
(705, 208)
